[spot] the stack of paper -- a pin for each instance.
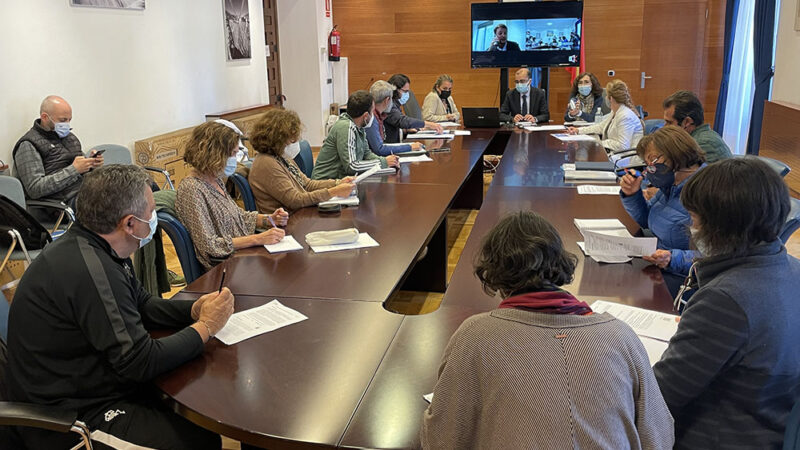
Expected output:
(654, 328)
(608, 241)
(344, 201)
(594, 175)
(578, 123)
(364, 241)
(573, 137)
(462, 132)
(445, 135)
(246, 324)
(418, 158)
(449, 124)
(287, 244)
(545, 128)
(598, 190)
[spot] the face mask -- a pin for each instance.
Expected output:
(698, 243)
(403, 98)
(444, 95)
(291, 150)
(585, 90)
(522, 88)
(61, 128)
(153, 222)
(369, 122)
(230, 166)
(663, 177)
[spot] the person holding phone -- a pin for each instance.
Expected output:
(585, 98)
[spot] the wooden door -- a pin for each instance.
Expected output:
(673, 39)
(273, 60)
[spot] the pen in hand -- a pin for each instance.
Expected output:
(222, 281)
(271, 222)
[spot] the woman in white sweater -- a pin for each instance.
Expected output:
(439, 106)
(623, 128)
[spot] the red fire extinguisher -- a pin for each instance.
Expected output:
(334, 45)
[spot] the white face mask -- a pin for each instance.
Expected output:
(291, 150)
(371, 119)
(230, 166)
(153, 223)
(699, 244)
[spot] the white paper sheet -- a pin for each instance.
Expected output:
(344, 201)
(287, 244)
(607, 259)
(654, 348)
(599, 224)
(449, 124)
(428, 397)
(246, 324)
(364, 241)
(430, 136)
(578, 123)
(372, 171)
(545, 128)
(573, 137)
(524, 124)
(605, 244)
(651, 324)
(462, 132)
(592, 189)
(410, 159)
(594, 175)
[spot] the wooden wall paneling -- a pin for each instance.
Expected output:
(713, 58)
(780, 138)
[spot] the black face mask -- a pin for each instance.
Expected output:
(663, 177)
(444, 95)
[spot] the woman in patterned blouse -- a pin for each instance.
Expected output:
(218, 226)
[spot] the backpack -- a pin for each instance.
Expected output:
(34, 235)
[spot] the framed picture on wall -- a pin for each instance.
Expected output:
(115, 4)
(237, 29)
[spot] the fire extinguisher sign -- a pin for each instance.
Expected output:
(327, 8)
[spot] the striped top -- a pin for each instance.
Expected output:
(518, 379)
(731, 373)
(345, 152)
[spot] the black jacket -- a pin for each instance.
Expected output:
(77, 332)
(396, 121)
(537, 104)
(511, 46)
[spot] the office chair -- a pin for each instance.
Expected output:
(243, 186)
(179, 235)
(28, 414)
(780, 167)
(792, 221)
(642, 113)
(412, 108)
(11, 187)
(304, 159)
(119, 154)
(651, 125)
(791, 439)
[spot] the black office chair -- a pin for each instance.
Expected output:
(651, 125)
(243, 186)
(792, 221)
(780, 167)
(27, 414)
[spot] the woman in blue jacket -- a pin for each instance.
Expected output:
(672, 157)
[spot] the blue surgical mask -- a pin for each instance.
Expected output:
(585, 90)
(403, 98)
(660, 176)
(522, 87)
(230, 166)
(62, 129)
(153, 223)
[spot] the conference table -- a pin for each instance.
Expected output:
(353, 374)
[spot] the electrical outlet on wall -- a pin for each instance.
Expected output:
(611, 73)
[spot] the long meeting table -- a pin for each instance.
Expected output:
(353, 374)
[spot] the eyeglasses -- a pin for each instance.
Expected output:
(651, 166)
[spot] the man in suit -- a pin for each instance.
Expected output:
(501, 42)
(524, 103)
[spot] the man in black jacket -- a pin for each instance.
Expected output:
(78, 327)
(501, 42)
(524, 103)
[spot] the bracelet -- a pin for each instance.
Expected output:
(210, 334)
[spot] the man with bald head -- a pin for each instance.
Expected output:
(48, 158)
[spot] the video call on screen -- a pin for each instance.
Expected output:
(529, 34)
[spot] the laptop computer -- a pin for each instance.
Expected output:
(481, 117)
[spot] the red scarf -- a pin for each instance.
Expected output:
(549, 302)
(379, 117)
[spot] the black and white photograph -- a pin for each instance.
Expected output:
(115, 4)
(237, 29)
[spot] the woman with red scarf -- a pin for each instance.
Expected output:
(542, 370)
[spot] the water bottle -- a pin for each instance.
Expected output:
(598, 116)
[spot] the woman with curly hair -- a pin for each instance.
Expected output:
(275, 178)
(218, 226)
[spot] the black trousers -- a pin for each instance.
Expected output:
(143, 422)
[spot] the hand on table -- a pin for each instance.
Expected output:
(280, 217)
(529, 118)
(660, 258)
(215, 309)
(518, 118)
(271, 236)
(341, 190)
(393, 161)
(572, 130)
(434, 126)
(629, 184)
(347, 180)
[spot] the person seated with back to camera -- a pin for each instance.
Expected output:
(382, 93)
(542, 370)
(439, 105)
(524, 103)
(623, 128)
(395, 119)
(585, 97)
(217, 225)
(275, 179)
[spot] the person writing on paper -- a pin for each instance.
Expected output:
(524, 103)
(672, 157)
(395, 120)
(500, 43)
(585, 98)
(217, 225)
(732, 370)
(382, 93)
(439, 105)
(79, 327)
(623, 128)
(542, 370)
(275, 179)
(345, 151)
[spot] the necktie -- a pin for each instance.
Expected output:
(524, 105)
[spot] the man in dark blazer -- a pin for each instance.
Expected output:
(524, 103)
(501, 42)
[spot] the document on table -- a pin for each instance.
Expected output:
(654, 348)
(598, 243)
(592, 189)
(246, 324)
(449, 124)
(602, 225)
(418, 158)
(344, 201)
(364, 241)
(578, 123)
(573, 137)
(595, 175)
(428, 397)
(651, 324)
(430, 136)
(287, 244)
(462, 132)
(371, 171)
(545, 128)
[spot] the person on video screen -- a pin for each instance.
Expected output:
(501, 42)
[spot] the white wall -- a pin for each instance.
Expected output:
(127, 74)
(787, 62)
(302, 36)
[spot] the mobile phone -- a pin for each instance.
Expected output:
(98, 153)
